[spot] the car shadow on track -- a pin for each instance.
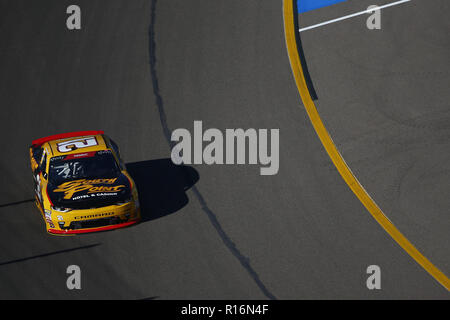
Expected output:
(162, 186)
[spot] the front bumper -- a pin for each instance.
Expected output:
(89, 230)
(93, 220)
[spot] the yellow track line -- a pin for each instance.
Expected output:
(336, 157)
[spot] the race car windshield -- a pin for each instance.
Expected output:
(83, 166)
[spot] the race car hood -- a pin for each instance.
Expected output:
(89, 193)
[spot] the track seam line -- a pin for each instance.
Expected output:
(243, 260)
(336, 157)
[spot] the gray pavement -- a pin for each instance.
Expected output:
(139, 68)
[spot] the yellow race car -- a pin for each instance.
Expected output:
(81, 184)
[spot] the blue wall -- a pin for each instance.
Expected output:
(308, 5)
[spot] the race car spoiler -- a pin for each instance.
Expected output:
(41, 141)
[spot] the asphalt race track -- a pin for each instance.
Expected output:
(139, 69)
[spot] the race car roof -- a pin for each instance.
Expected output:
(73, 143)
(41, 141)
